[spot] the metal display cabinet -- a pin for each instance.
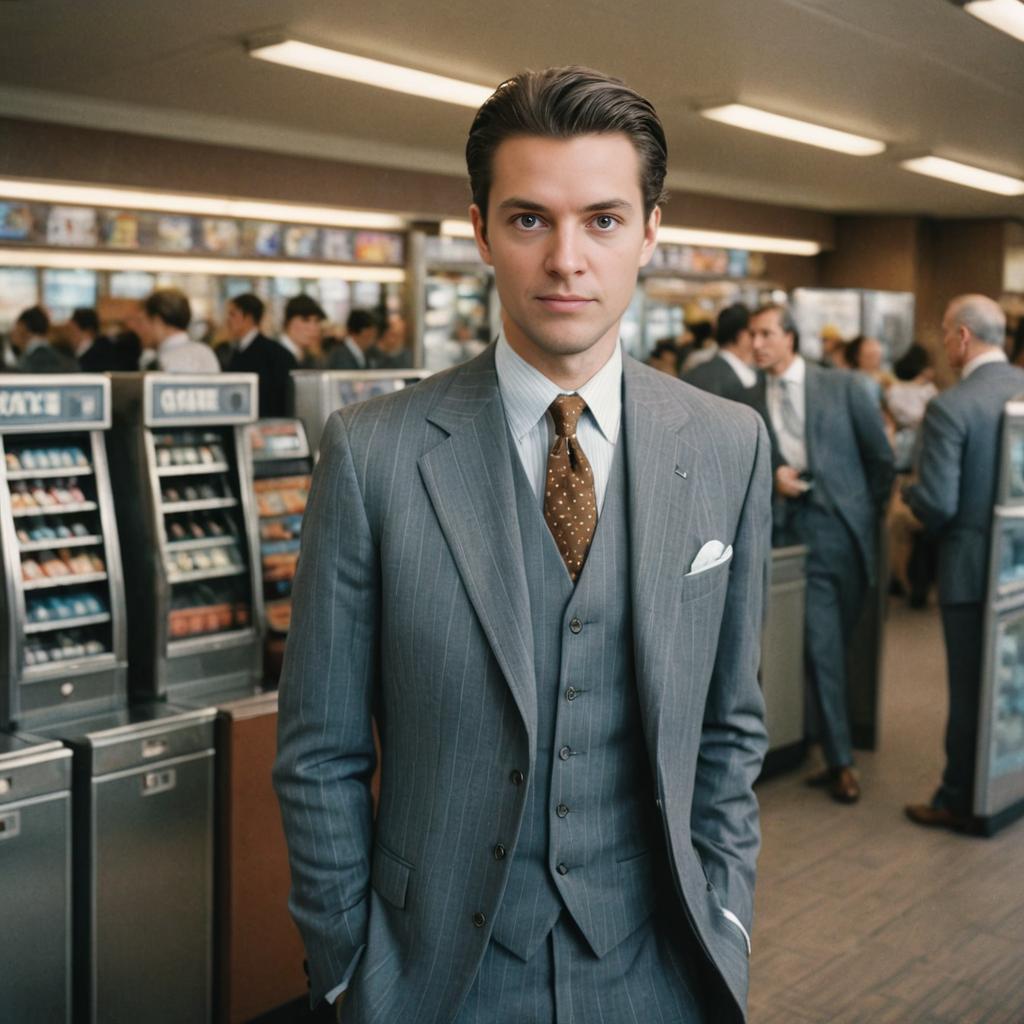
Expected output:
(282, 471)
(35, 880)
(143, 865)
(315, 394)
(62, 613)
(184, 498)
(999, 770)
(782, 659)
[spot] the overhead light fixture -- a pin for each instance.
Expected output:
(324, 61)
(965, 174)
(49, 259)
(211, 206)
(754, 120)
(734, 240)
(1005, 15)
(457, 229)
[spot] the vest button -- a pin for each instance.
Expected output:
(575, 625)
(562, 869)
(499, 852)
(561, 810)
(572, 693)
(516, 777)
(479, 920)
(565, 753)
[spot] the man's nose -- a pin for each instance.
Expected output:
(565, 256)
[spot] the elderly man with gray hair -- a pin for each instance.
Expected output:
(953, 497)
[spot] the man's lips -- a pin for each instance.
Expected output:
(559, 303)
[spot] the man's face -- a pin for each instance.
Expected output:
(19, 335)
(365, 338)
(305, 332)
(773, 347)
(237, 323)
(566, 235)
(74, 334)
(954, 340)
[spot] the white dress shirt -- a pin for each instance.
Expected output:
(292, 347)
(178, 353)
(995, 355)
(793, 446)
(247, 339)
(526, 395)
(357, 353)
(747, 374)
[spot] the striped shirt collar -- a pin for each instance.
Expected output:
(526, 393)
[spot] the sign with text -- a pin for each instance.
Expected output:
(41, 404)
(177, 399)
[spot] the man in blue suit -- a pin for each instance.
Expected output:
(543, 572)
(954, 496)
(833, 471)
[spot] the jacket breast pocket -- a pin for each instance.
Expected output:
(703, 584)
(389, 876)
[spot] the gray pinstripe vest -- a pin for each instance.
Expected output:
(589, 833)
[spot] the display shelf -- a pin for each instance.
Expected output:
(63, 581)
(54, 510)
(199, 505)
(69, 623)
(198, 543)
(198, 641)
(90, 662)
(199, 469)
(50, 543)
(49, 474)
(198, 575)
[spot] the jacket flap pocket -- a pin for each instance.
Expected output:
(390, 876)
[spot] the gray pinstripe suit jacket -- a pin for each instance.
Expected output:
(411, 604)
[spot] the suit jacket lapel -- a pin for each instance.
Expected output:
(668, 501)
(468, 478)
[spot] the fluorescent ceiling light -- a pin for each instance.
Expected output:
(212, 206)
(733, 240)
(964, 174)
(49, 259)
(740, 116)
(1005, 15)
(457, 229)
(323, 61)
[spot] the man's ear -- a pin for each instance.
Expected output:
(480, 234)
(650, 236)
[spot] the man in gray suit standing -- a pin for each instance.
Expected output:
(543, 572)
(833, 471)
(953, 497)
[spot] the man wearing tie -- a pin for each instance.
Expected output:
(543, 572)
(833, 471)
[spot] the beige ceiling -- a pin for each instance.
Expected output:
(920, 74)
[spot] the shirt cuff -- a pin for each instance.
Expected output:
(733, 919)
(342, 986)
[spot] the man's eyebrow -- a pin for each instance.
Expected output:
(517, 203)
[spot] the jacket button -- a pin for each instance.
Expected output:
(561, 810)
(516, 777)
(565, 753)
(572, 693)
(479, 920)
(499, 852)
(562, 869)
(575, 625)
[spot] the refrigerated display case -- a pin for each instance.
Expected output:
(35, 879)
(184, 499)
(315, 394)
(999, 770)
(62, 612)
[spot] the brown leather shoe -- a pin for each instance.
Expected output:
(841, 783)
(942, 817)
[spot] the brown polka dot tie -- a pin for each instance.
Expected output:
(570, 501)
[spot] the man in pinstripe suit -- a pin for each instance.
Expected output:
(543, 573)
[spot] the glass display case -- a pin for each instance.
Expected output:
(63, 615)
(184, 495)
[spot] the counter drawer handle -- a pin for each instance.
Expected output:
(155, 748)
(10, 825)
(159, 782)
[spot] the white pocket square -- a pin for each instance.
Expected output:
(713, 553)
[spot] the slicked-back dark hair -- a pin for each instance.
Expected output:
(35, 319)
(731, 321)
(170, 305)
(561, 103)
(86, 319)
(248, 305)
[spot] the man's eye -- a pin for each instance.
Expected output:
(528, 221)
(605, 222)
